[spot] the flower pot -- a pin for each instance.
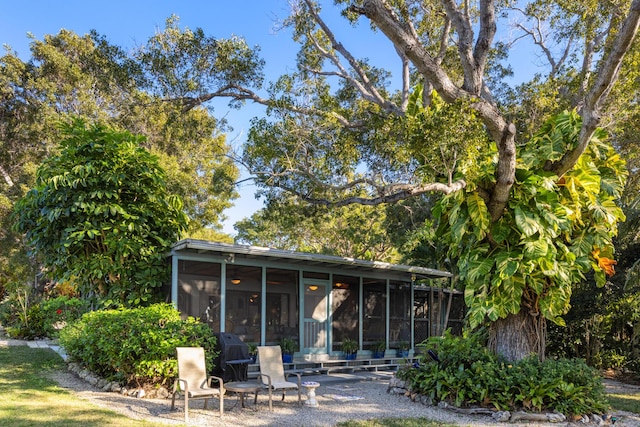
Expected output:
(350, 356)
(378, 354)
(287, 358)
(402, 353)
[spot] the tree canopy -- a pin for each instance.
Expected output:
(100, 216)
(353, 231)
(70, 75)
(340, 130)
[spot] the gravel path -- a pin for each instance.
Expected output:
(337, 402)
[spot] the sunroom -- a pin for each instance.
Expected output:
(264, 295)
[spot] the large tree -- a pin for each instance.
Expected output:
(68, 75)
(331, 144)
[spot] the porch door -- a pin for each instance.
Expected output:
(316, 309)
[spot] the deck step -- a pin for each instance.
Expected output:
(305, 367)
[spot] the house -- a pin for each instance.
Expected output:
(264, 295)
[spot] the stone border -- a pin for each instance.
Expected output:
(399, 387)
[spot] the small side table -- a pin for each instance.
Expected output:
(241, 388)
(310, 387)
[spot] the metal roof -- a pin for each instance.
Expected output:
(301, 258)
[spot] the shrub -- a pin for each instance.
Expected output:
(60, 311)
(468, 374)
(135, 345)
(35, 317)
(21, 313)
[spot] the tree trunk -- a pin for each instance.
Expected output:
(518, 336)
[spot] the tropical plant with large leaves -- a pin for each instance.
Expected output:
(100, 217)
(553, 231)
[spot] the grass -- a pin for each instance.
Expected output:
(29, 398)
(625, 402)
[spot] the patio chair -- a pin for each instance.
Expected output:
(192, 380)
(272, 373)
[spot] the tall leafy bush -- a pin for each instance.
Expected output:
(101, 217)
(135, 345)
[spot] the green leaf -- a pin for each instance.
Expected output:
(526, 222)
(536, 248)
(479, 269)
(479, 215)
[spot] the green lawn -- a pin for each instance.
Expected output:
(29, 398)
(626, 402)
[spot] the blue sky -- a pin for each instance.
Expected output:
(130, 23)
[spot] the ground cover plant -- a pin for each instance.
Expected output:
(467, 374)
(31, 398)
(135, 346)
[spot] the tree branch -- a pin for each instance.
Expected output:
(407, 192)
(539, 38)
(601, 88)
(6, 176)
(240, 93)
(370, 90)
(502, 132)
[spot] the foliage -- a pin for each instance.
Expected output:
(403, 345)
(288, 345)
(100, 216)
(20, 313)
(349, 346)
(552, 233)
(341, 131)
(135, 345)
(379, 346)
(27, 315)
(253, 348)
(603, 326)
(469, 374)
(84, 75)
(357, 231)
(60, 311)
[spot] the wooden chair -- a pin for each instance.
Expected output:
(272, 373)
(192, 380)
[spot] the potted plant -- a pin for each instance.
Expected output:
(288, 347)
(403, 349)
(253, 352)
(350, 348)
(378, 349)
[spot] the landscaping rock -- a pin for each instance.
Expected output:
(426, 400)
(501, 416)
